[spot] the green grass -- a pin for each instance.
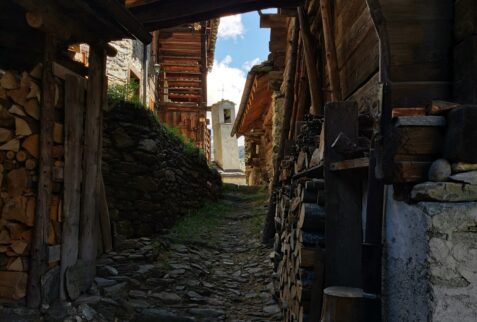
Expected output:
(200, 225)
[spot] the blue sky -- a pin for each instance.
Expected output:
(251, 44)
(240, 44)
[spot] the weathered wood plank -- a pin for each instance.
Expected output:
(74, 116)
(39, 256)
(92, 159)
(343, 204)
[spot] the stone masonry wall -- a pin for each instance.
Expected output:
(151, 179)
(431, 261)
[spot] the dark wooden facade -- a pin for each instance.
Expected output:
(185, 55)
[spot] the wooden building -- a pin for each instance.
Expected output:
(185, 55)
(255, 122)
(54, 218)
(50, 153)
(367, 87)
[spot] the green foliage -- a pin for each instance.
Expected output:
(199, 225)
(189, 146)
(125, 92)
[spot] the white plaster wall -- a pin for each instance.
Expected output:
(226, 151)
(430, 267)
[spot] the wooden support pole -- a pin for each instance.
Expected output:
(74, 116)
(39, 255)
(343, 201)
(92, 160)
(269, 227)
(313, 80)
(330, 48)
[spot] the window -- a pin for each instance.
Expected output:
(227, 115)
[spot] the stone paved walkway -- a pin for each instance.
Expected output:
(225, 275)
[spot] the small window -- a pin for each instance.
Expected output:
(227, 115)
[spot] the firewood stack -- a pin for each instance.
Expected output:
(19, 153)
(300, 223)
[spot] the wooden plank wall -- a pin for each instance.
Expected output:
(357, 44)
(420, 40)
(465, 52)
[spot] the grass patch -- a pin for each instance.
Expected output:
(200, 225)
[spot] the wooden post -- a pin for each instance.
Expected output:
(92, 160)
(330, 48)
(106, 232)
(313, 83)
(269, 227)
(74, 116)
(343, 201)
(39, 255)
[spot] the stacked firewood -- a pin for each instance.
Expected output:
(19, 153)
(300, 223)
(307, 142)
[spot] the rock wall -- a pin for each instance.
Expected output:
(151, 178)
(430, 261)
(129, 59)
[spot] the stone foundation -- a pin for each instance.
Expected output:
(151, 178)
(430, 261)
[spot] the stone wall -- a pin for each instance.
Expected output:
(129, 59)
(151, 178)
(430, 261)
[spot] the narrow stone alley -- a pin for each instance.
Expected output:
(213, 268)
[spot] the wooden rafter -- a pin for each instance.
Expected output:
(162, 14)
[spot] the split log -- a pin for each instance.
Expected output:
(12, 145)
(20, 209)
(17, 181)
(32, 108)
(35, 92)
(22, 128)
(16, 230)
(5, 135)
(37, 71)
(19, 247)
(13, 285)
(18, 264)
(32, 144)
(19, 95)
(9, 81)
(17, 110)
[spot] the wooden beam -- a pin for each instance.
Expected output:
(272, 21)
(163, 14)
(269, 228)
(92, 159)
(126, 19)
(74, 115)
(330, 47)
(39, 256)
(313, 80)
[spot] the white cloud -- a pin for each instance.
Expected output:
(250, 63)
(231, 27)
(225, 82)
